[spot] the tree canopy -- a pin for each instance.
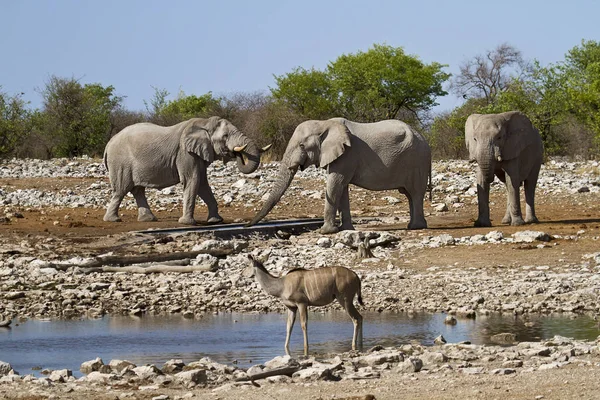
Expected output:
(366, 86)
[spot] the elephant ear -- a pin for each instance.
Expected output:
(520, 133)
(195, 139)
(333, 140)
(469, 133)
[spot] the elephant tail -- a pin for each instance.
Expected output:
(430, 184)
(105, 160)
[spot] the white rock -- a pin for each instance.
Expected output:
(147, 372)
(60, 375)
(192, 376)
(531, 236)
(92, 365)
(5, 368)
(324, 242)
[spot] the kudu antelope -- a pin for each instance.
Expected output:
(301, 288)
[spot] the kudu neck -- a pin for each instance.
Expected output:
(270, 284)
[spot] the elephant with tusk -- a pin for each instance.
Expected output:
(508, 146)
(376, 156)
(146, 155)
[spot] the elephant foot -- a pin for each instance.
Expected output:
(215, 220)
(518, 221)
(506, 220)
(482, 223)
(146, 217)
(187, 221)
(328, 229)
(532, 220)
(346, 227)
(112, 218)
(417, 225)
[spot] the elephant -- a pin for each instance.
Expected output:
(377, 156)
(146, 155)
(508, 146)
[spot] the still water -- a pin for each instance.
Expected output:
(250, 339)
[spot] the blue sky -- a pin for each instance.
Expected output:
(236, 46)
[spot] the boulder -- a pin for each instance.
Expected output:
(194, 376)
(92, 365)
(60, 375)
(5, 368)
(147, 372)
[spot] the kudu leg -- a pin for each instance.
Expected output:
(357, 337)
(303, 309)
(290, 325)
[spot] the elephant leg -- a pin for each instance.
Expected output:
(206, 194)
(112, 211)
(333, 195)
(190, 190)
(415, 205)
(144, 213)
(507, 217)
(514, 203)
(530, 184)
(483, 201)
(345, 211)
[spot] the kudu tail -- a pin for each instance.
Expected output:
(360, 300)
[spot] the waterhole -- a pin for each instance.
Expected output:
(248, 339)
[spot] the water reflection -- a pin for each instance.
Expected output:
(252, 338)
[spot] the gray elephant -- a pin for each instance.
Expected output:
(147, 155)
(509, 146)
(376, 156)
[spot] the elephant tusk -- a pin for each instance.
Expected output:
(266, 148)
(499, 158)
(239, 149)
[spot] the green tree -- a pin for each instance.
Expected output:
(582, 70)
(383, 81)
(380, 83)
(164, 112)
(446, 135)
(15, 123)
(307, 92)
(78, 117)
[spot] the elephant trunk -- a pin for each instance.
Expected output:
(250, 164)
(486, 160)
(284, 178)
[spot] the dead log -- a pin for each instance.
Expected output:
(153, 269)
(5, 323)
(288, 371)
(364, 250)
(144, 259)
(384, 242)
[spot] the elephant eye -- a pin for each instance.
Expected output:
(302, 146)
(474, 139)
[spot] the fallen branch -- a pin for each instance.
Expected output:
(5, 323)
(288, 371)
(143, 259)
(153, 269)
(384, 242)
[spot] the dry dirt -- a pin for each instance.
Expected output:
(564, 215)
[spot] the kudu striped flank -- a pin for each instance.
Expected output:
(301, 288)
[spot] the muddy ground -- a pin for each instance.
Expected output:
(570, 214)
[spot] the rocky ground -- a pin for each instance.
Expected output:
(52, 232)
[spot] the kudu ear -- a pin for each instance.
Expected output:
(520, 133)
(195, 139)
(333, 140)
